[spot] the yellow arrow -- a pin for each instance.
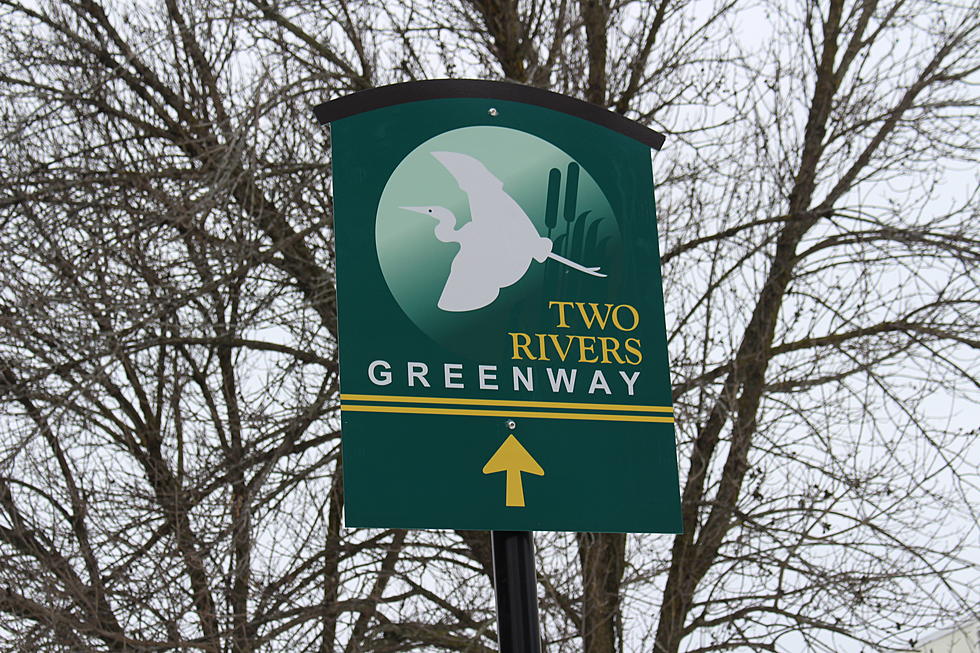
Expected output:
(513, 458)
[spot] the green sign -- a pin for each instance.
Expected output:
(503, 354)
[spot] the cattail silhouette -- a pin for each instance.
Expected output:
(556, 274)
(571, 199)
(551, 209)
(578, 233)
(592, 237)
(585, 237)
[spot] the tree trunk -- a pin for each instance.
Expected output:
(603, 557)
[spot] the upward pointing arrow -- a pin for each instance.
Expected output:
(513, 458)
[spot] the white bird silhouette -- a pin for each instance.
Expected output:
(498, 244)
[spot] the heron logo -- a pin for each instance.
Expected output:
(482, 221)
(498, 244)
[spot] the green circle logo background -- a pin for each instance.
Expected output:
(416, 265)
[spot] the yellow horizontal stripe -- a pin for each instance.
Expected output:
(505, 413)
(506, 402)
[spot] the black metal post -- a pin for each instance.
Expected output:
(516, 590)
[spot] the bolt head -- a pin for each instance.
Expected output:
(511, 424)
(492, 111)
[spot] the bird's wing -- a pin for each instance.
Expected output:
(489, 202)
(471, 175)
(469, 285)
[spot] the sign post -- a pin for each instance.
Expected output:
(516, 590)
(503, 354)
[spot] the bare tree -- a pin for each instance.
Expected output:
(170, 477)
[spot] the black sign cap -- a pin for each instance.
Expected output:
(433, 89)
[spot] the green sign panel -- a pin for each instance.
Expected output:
(503, 355)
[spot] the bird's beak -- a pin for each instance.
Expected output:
(418, 209)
